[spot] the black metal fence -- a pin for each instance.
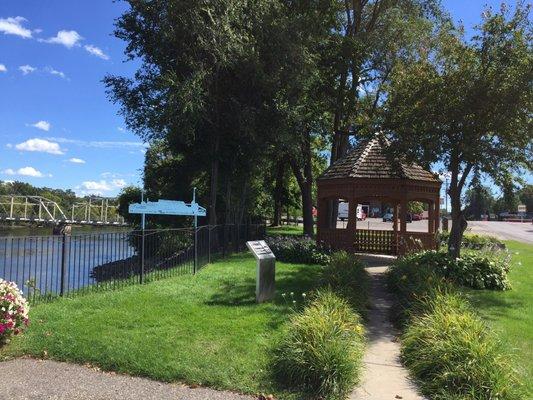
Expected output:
(48, 266)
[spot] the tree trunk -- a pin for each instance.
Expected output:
(278, 193)
(304, 177)
(459, 223)
(213, 186)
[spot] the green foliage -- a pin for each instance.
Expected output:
(467, 104)
(487, 270)
(455, 356)
(346, 275)
(474, 242)
(322, 348)
(298, 249)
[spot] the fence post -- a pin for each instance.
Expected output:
(64, 256)
(141, 275)
(195, 267)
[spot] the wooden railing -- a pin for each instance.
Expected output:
(377, 241)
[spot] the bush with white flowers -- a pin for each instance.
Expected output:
(13, 310)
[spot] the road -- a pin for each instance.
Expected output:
(522, 232)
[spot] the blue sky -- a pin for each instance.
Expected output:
(57, 128)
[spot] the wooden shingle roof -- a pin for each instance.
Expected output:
(368, 160)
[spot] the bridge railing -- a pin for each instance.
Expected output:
(45, 267)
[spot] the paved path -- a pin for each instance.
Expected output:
(28, 379)
(384, 378)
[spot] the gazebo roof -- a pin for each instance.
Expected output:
(368, 160)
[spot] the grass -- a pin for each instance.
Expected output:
(204, 329)
(510, 313)
(285, 230)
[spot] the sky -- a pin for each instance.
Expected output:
(57, 127)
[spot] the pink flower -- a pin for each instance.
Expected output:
(2, 328)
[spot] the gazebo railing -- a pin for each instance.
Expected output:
(375, 241)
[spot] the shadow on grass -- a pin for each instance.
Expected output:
(495, 305)
(297, 279)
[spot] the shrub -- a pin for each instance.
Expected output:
(298, 249)
(475, 242)
(453, 354)
(13, 311)
(346, 275)
(322, 348)
(478, 270)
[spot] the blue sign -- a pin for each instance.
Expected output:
(167, 207)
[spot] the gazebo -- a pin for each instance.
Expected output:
(367, 174)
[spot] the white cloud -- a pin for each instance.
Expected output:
(3, 68)
(96, 51)
(121, 129)
(99, 144)
(101, 186)
(68, 39)
(26, 171)
(76, 160)
(40, 145)
(27, 69)
(13, 26)
(42, 125)
(52, 71)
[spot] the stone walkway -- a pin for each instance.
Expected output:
(28, 379)
(384, 378)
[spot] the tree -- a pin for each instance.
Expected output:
(526, 196)
(367, 39)
(467, 105)
(198, 89)
(478, 199)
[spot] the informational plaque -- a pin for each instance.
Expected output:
(265, 287)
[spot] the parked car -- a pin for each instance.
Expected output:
(387, 217)
(417, 217)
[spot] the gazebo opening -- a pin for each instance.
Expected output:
(367, 183)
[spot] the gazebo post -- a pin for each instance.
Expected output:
(431, 217)
(403, 216)
(352, 216)
(396, 237)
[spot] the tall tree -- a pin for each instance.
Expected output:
(198, 88)
(467, 104)
(367, 39)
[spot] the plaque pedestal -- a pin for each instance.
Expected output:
(265, 287)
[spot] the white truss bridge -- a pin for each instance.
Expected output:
(37, 209)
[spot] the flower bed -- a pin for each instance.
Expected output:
(13, 311)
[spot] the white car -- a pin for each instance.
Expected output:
(343, 211)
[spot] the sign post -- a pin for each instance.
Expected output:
(265, 287)
(167, 207)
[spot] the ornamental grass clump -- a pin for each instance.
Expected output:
(13, 311)
(322, 348)
(346, 275)
(454, 356)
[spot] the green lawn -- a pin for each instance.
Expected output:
(285, 230)
(510, 313)
(204, 329)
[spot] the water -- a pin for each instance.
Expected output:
(35, 262)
